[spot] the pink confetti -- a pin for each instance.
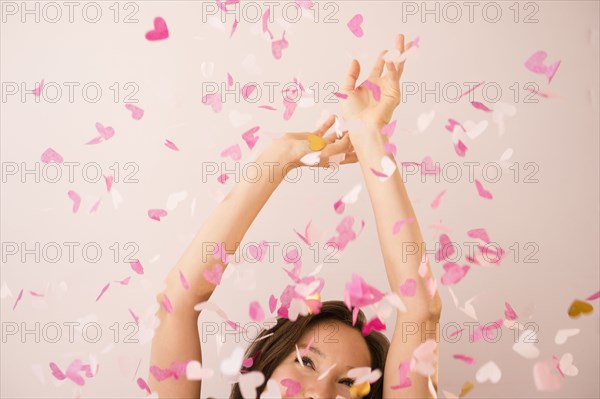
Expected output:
(292, 386)
(438, 199)
(391, 148)
(72, 372)
(143, 385)
(289, 107)
(446, 248)
(375, 89)
(233, 28)
(481, 191)
(76, 200)
(354, 25)
(423, 265)
(258, 252)
(272, 303)
(247, 90)
(125, 281)
(171, 145)
(460, 148)
(593, 296)
(103, 291)
(160, 30)
(250, 138)
(234, 152)
(277, 46)
(109, 182)
(409, 288)
(452, 123)
(479, 331)
(470, 90)
(136, 112)
(229, 80)
(135, 317)
(340, 95)
(358, 293)
(18, 299)
(479, 234)
(345, 234)
(535, 64)
(304, 237)
(136, 266)
(509, 312)
(38, 90)
(306, 4)
(223, 178)
(166, 303)
(214, 100)
(175, 370)
(467, 359)
(339, 206)
(480, 106)
(184, 281)
(33, 293)
(398, 225)
(265, 22)
(105, 133)
(454, 273)
(431, 285)
(388, 130)
(156, 214)
(220, 253)
(543, 377)
(267, 107)
(405, 381)
(51, 156)
(373, 325)
(428, 167)
(214, 274)
(256, 312)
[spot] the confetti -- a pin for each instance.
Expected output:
(51, 156)
(76, 200)
(578, 307)
(136, 266)
(136, 112)
(234, 152)
(405, 381)
(292, 386)
(535, 63)
(160, 31)
(355, 25)
(214, 274)
(156, 214)
(483, 193)
(171, 145)
(489, 372)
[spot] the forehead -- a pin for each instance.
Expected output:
(337, 342)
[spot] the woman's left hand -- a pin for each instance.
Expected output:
(297, 145)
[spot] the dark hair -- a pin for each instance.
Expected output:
(274, 349)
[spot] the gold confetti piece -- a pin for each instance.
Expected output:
(361, 390)
(466, 388)
(316, 143)
(578, 307)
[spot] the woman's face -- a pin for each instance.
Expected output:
(336, 347)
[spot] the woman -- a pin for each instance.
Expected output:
(177, 337)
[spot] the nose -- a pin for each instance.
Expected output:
(319, 390)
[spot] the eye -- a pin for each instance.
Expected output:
(347, 381)
(307, 361)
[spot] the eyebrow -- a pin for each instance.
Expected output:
(318, 352)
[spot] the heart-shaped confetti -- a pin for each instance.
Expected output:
(156, 214)
(136, 112)
(160, 31)
(51, 156)
(355, 25)
(489, 372)
(578, 307)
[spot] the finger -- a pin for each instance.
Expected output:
(391, 68)
(325, 126)
(350, 158)
(341, 145)
(378, 67)
(351, 77)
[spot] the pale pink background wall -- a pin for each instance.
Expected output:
(559, 214)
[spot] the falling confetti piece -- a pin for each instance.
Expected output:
(388, 168)
(166, 303)
(143, 385)
(136, 266)
(109, 182)
(489, 372)
(480, 106)
(355, 25)
(103, 291)
(578, 307)
(405, 381)
(76, 200)
(408, 288)
(156, 214)
(460, 148)
(373, 325)
(277, 46)
(51, 156)
(535, 63)
(18, 299)
(483, 193)
(464, 358)
(398, 225)
(136, 112)
(424, 120)
(38, 90)
(543, 377)
(195, 372)
(160, 31)
(184, 281)
(438, 198)
(136, 319)
(465, 389)
(509, 313)
(375, 89)
(234, 152)
(214, 100)
(593, 296)
(562, 335)
(250, 138)
(256, 312)
(214, 274)
(171, 145)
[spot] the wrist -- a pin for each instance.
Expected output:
(277, 156)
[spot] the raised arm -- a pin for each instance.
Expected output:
(402, 252)
(177, 339)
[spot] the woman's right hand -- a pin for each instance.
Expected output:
(361, 103)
